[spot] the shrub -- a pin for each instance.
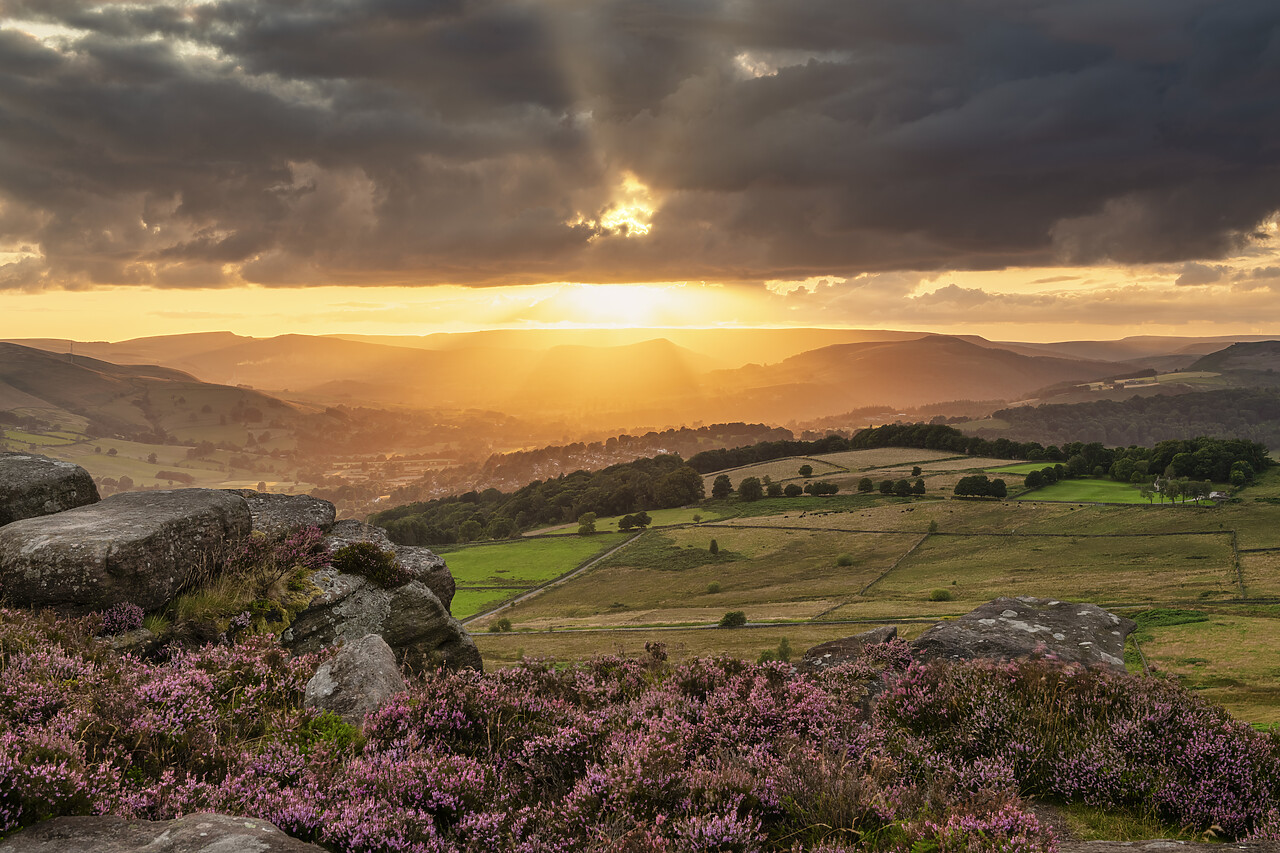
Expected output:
(123, 617)
(844, 560)
(941, 595)
(713, 588)
(368, 560)
(733, 619)
(793, 490)
(714, 548)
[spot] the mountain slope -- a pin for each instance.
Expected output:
(899, 373)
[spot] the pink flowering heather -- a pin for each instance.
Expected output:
(616, 754)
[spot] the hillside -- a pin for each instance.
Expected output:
(1254, 356)
(904, 373)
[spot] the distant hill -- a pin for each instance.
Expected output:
(1253, 356)
(903, 373)
(125, 400)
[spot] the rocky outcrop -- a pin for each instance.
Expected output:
(32, 486)
(1165, 845)
(274, 514)
(139, 547)
(410, 618)
(423, 565)
(844, 650)
(197, 833)
(360, 678)
(1009, 628)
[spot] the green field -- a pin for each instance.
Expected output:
(1087, 491)
(1022, 469)
(778, 561)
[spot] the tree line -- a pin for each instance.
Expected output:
(653, 483)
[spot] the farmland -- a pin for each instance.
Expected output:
(813, 569)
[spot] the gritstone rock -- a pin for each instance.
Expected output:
(363, 675)
(410, 618)
(140, 547)
(422, 564)
(197, 833)
(32, 486)
(1022, 627)
(844, 650)
(275, 514)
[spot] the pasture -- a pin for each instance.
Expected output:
(1088, 491)
(813, 569)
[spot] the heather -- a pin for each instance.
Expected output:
(616, 754)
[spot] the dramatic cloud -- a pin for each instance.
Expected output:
(186, 144)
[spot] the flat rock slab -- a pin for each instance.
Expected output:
(139, 547)
(278, 514)
(844, 650)
(32, 486)
(1009, 628)
(198, 833)
(359, 679)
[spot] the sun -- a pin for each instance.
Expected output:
(625, 305)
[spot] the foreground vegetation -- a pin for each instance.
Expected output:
(619, 754)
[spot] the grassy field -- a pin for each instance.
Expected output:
(813, 569)
(1087, 491)
(778, 470)
(884, 457)
(1022, 469)
(487, 575)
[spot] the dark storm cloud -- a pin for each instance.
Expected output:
(290, 142)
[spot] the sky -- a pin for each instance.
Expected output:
(1023, 169)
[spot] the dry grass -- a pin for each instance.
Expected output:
(778, 470)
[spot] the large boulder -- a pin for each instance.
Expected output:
(360, 678)
(845, 650)
(275, 514)
(196, 833)
(1009, 628)
(423, 565)
(410, 618)
(139, 547)
(31, 486)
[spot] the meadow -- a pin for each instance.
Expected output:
(813, 569)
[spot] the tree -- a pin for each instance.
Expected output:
(865, 485)
(470, 530)
(916, 471)
(901, 488)
(722, 487)
(679, 487)
(733, 619)
(586, 524)
(626, 522)
(806, 470)
(886, 487)
(793, 490)
(750, 489)
(918, 488)
(126, 483)
(715, 547)
(151, 459)
(1034, 480)
(642, 519)
(774, 490)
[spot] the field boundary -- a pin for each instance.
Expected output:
(564, 578)
(895, 565)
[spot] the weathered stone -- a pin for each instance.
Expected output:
(1164, 845)
(140, 547)
(32, 486)
(412, 620)
(275, 514)
(844, 650)
(423, 564)
(196, 833)
(137, 641)
(360, 678)
(1021, 627)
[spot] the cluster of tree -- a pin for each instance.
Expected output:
(550, 461)
(765, 451)
(655, 483)
(175, 477)
(1246, 413)
(979, 486)
(901, 488)
(820, 488)
(640, 521)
